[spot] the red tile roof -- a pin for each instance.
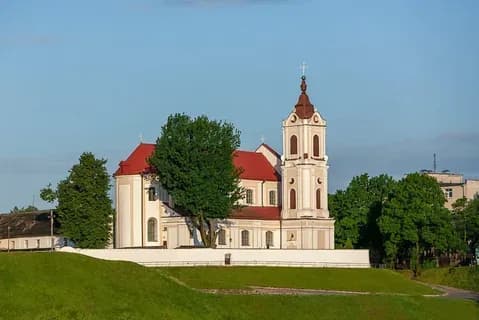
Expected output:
(257, 213)
(254, 165)
(137, 163)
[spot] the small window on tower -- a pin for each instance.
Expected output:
(316, 146)
(151, 194)
(292, 199)
(293, 145)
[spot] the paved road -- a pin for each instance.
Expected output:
(454, 293)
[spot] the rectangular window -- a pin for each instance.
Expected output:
(448, 193)
(249, 196)
(222, 237)
(38, 243)
(272, 197)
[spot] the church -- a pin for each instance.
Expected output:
(285, 205)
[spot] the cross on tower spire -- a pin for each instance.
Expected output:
(303, 68)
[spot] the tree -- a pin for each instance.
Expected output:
(466, 220)
(356, 211)
(29, 208)
(415, 221)
(84, 207)
(193, 159)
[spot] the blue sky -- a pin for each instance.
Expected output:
(396, 80)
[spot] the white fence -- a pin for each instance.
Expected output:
(238, 257)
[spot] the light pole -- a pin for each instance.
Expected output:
(8, 238)
(51, 230)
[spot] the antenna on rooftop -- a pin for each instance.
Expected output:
(435, 164)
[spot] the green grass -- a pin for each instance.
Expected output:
(459, 277)
(370, 280)
(70, 286)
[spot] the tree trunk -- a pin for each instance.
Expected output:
(207, 228)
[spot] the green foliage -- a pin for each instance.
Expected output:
(84, 208)
(29, 208)
(458, 277)
(356, 211)
(466, 220)
(194, 162)
(72, 287)
(415, 221)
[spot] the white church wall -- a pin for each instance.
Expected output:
(239, 257)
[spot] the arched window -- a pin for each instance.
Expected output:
(318, 198)
(222, 237)
(269, 239)
(249, 196)
(272, 197)
(316, 146)
(245, 238)
(293, 145)
(152, 230)
(292, 199)
(151, 194)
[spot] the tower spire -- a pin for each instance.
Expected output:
(304, 108)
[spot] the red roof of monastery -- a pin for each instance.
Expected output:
(137, 163)
(253, 165)
(304, 109)
(257, 213)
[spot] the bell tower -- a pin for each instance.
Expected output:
(304, 171)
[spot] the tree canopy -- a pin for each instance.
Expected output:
(194, 163)
(84, 208)
(414, 220)
(466, 220)
(356, 211)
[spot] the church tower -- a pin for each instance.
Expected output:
(305, 178)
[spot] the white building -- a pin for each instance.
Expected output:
(29, 231)
(286, 196)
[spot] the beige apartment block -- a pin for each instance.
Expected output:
(455, 186)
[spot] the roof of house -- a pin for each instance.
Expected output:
(253, 165)
(26, 224)
(257, 213)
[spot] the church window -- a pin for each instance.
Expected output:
(293, 145)
(152, 230)
(292, 199)
(245, 238)
(151, 194)
(269, 239)
(318, 198)
(222, 237)
(272, 197)
(249, 196)
(316, 146)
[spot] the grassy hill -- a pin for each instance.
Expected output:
(459, 277)
(70, 286)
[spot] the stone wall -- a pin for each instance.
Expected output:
(239, 257)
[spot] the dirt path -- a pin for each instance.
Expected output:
(447, 292)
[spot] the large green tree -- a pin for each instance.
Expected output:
(414, 221)
(356, 211)
(466, 220)
(84, 207)
(193, 159)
